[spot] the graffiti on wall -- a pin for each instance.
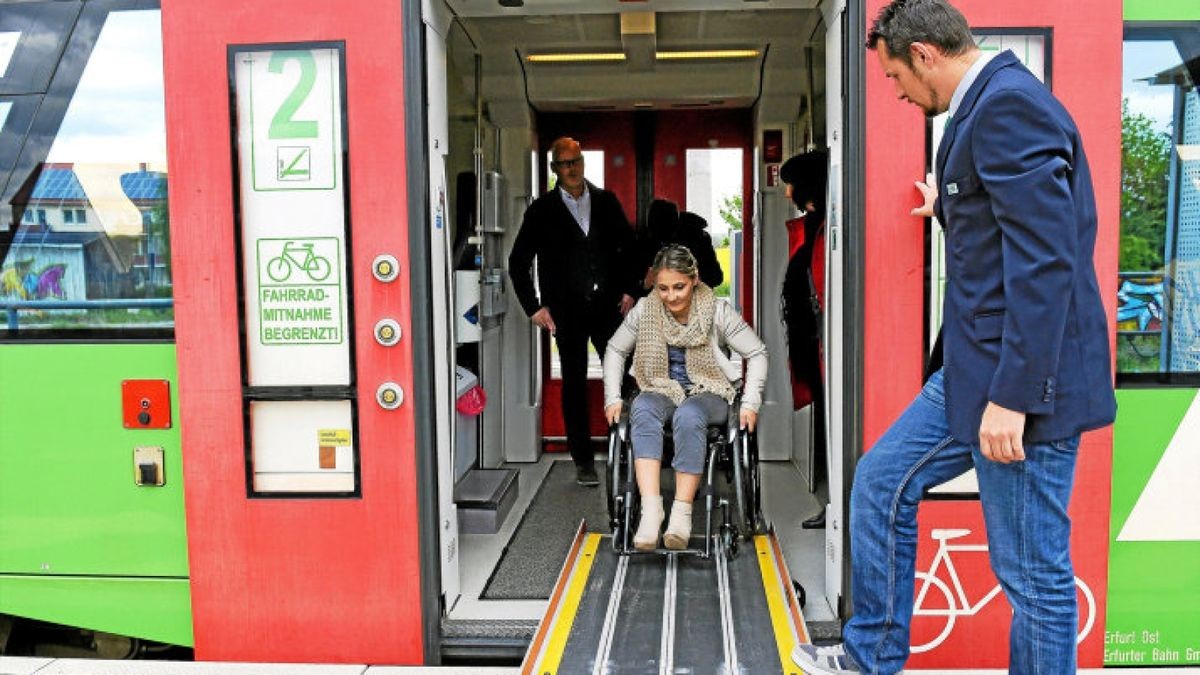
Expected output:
(1140, 304)
(21, 282)
(43, 273)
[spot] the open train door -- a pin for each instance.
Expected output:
(843, 324)
(288, 128)
(955, 628)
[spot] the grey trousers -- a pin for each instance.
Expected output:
(689, 427)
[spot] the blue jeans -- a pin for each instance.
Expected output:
(689, 427)
(1024, 506)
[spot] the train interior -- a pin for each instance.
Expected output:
(690, 102)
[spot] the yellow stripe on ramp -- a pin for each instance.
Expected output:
(566, 614)
(781, 624)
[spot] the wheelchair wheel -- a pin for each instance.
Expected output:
(747, 485)
(614, 476)
(754, 483)
(729, 541)
(622, 499)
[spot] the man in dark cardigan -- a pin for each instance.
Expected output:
(586, 282)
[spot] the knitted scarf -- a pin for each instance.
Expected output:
(657, 328)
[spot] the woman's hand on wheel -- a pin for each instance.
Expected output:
(748, 419)
(613, 413)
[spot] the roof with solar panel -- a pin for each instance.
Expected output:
(58, 182)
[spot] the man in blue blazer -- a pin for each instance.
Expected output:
(1026, 358)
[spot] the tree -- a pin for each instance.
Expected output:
(731, 211)
(1145, 173)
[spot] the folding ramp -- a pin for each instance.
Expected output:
(668, 613)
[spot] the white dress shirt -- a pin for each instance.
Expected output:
(580, 208)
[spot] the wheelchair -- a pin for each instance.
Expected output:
(730, 452)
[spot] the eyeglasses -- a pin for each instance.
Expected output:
(568, 163)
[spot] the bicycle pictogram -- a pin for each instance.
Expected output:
(953, 604)
(302, 257)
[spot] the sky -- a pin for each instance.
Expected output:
(1143, 60)
(117, 114)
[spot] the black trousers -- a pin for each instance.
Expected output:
(584, 321)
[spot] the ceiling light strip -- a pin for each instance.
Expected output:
(708, 54)
(576, 57)
(601, 57)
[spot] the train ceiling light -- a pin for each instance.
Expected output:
(603, 57)
(576, 57)
(708, 54)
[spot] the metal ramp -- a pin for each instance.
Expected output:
(669, 613)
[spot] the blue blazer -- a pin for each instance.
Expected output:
(1023, 323)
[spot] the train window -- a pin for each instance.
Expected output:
(714, 192)
(31, 40)
(1158, 294)
(94, 259)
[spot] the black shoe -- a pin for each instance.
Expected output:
(586, 476)
(817, 522)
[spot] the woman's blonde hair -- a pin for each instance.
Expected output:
(676, 258)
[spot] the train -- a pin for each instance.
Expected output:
(266, 394)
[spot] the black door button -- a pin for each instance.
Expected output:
(144, 418)
(148, 473)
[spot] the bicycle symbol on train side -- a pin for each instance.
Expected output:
(300, 256)
(953, 604)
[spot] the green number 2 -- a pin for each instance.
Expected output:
(282, 124)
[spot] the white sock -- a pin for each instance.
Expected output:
(681, 518)
(679, 529)
(652, 517)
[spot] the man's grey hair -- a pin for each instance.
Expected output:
(934, 22)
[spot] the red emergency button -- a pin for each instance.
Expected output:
(146, 404)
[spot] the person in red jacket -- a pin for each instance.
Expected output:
(802, 299)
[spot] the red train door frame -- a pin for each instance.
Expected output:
(312, 578)
(1087, 81)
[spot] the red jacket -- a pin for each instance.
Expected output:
(804, 377)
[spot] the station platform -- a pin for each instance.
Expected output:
(17, 665)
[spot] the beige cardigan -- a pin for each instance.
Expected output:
(728, 329)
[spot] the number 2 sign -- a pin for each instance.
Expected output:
(293, 116)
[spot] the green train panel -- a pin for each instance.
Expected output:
(1154, 557)
(81, 543)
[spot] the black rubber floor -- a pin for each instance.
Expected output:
(534, 556)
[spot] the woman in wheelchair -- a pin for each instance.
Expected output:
(678, 335)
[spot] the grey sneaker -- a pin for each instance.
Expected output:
(831, 660)
(586, 476)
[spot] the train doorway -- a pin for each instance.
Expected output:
(698, 106)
